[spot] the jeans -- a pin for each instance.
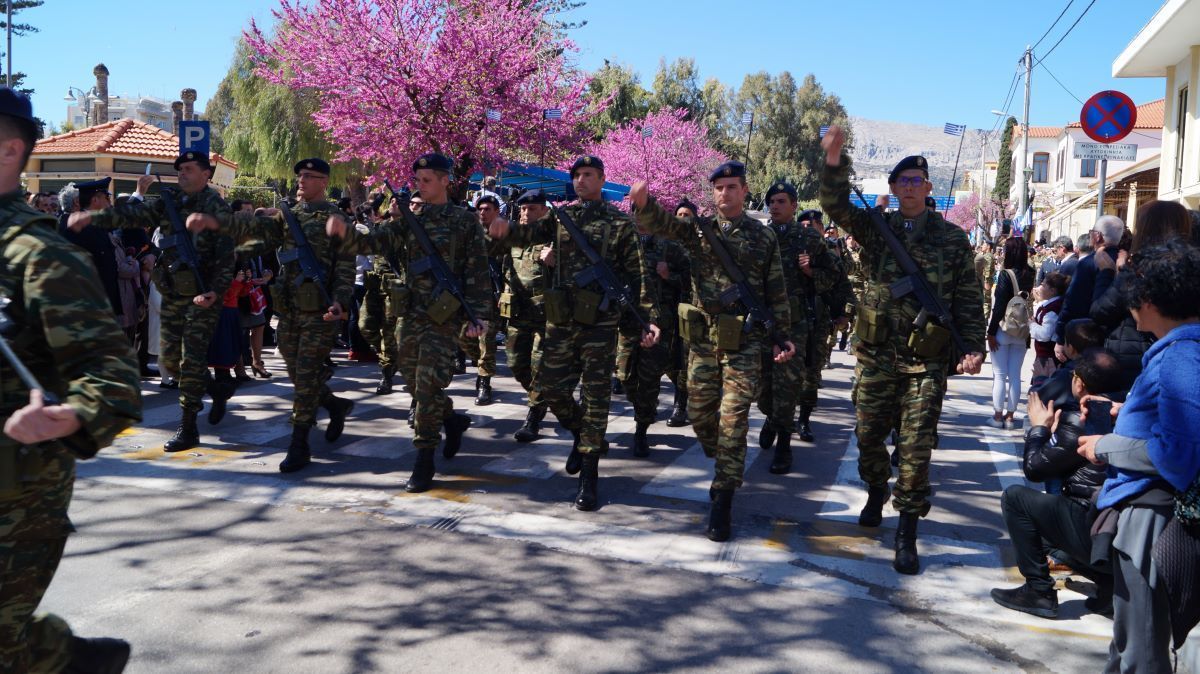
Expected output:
(1006, 372)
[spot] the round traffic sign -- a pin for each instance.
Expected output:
(1108, 116)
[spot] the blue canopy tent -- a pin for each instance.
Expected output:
(517, 177)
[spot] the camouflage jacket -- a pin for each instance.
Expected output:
(940, 249)
(985, 268)
(610, 232)
(459, 241)
(524, 277)
(754, 249)
(812, 291)
(215, 249)
(668, 292)
(68, 336)
(273, 233)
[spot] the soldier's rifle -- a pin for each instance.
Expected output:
(757, 313)
(18, 366)
(181, 240)
(810, 344)
(304, 256)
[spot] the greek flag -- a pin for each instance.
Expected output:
(647, 131)
(824, 130)
(552, 113)
(955, 129)
(493, 115)
(747, 118)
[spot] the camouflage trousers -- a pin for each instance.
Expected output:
(377, 323)
(523, 348)
(825, 347)
(880, 397)
(677, 373)
(573, 352)
(641, 370)
(721, 387)
(186, 330)
(781, 386)
(482, 349)
(305, 340)
(427, 352)
(33, 532)
(810, 348)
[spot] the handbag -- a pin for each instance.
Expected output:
(258, 300)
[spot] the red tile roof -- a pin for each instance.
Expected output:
(127, 137)
(1039, 131)
(1149, 116)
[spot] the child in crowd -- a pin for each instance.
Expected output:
(1043, 324)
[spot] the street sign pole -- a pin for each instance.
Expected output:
(1100, 194)
(1106, 118)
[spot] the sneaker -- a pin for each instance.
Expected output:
(1010, 424)
(1028, 600)
(995, 423)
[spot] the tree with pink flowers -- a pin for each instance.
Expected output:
(666, 150)
(399, 78)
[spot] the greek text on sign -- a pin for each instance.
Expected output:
(1112, 151)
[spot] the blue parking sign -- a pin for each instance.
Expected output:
(193, 137)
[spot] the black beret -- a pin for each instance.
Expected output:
(200, 158)
(91, 187)
(782, 188)
(730, 169)
(434, 161)
(688, 205)
(535, 196)
(915, 161)
(930, 202)
(315, 164)
(587, 161)
(489, 198)
(17, 105)
(810, 214)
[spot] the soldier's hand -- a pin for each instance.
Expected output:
(267, 212)
(206, 300)
(36, 423)
(334, 312)
(639, 194)
(785, 354)
(663, 270)
(144, 183)
(77, 221)
(971, 363)
(477, 329)
(651, 336)
(832, 143)
(805, 262)
(335, 227)
(498, 229)
(198, 222)
(547, 257)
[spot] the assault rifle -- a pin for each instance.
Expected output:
(740, 292)
(310, 267)
(180, 240)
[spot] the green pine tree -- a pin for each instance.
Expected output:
(1004, 167)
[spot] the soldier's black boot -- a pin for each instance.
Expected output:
(188, 436)
(589, 478)
(460, 363)
(574, 459)
(339, 409)
(97, 656)
(766, 437)
(806, 433)
(679, 415)
(842, 341)
(483, 391)
(385, 382)
(720, 515)
(618, 388)
(872, 514)
(422, 475)
(455, 425)
(221, 390)
(412, 413)
(533, 424)
(298, 454)
(641, 446)
(782, 463)
(907, 561)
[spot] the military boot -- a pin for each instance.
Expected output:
(97, 656)
(460, 363)
(641, 446)
(422, 476)
(574, 459)
(589, 478)
(679, 416)
(617, 387)
(455, 425)
(221, 390)
(806, 433)
(907, 561)
(483, 391)
(188, 436)
(872, 513)
(385, 382)
(533, 424)
(720, 515)
(298, 454)
(782, 463)
(338, 409)
(412, 413)
(766, 437)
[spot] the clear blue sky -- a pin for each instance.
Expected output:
(920, 61)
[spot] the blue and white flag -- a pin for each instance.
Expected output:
(647, 131)
(954, 129)
(492, 115)
(824, 130)
(747, 118)
(552, 113)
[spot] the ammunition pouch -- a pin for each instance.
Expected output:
(587, 307)
(871, 325)
(557, 309)
(443, 307)
(693, 327)
(728, 333)
(399, 296)
(183, 281)
(931, 341)
(504, 305)
(308, 297)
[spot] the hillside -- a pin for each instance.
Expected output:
(878, 145)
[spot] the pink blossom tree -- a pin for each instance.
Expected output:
(673, 157)
(399, 78)
(965, 213)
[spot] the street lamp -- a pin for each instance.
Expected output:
(84, 99)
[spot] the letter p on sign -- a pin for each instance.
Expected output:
(193, 137)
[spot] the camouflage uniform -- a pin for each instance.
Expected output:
(376, 318)
(840, 296)
(854, 274)
(781, 382)
(889, 374)
(70, 341)
(523, 307)
(723, 384)
(985, 269)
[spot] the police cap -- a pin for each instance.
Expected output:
(915, 161)
(315, 164)
(91, 188)
(730, 169)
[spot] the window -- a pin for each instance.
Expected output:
(1181, 114)
(1058, 167)
(1087, 168)
(68, 165)
(139, 167)
(1041, 167)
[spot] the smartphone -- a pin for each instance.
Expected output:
(1099, 418)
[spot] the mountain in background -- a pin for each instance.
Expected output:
(879, 145)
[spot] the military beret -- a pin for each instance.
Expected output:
(433, 161)
(782, 188)
(315, 164)
(730, 169)
(15, 104)
(90, 188)
(915, 161)
(535, 196)
(488, 198)
(587, 161)
(810, 215)
(200, 158)
(688, 205)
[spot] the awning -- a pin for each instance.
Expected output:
(517, 177)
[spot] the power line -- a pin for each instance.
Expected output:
(1064, 87)
(1060, 16)
(1064, 35)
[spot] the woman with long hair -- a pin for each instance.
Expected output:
(1007, 341)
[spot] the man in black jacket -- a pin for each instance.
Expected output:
(1040, 523)
(1105, 235)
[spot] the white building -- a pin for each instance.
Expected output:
(149, 109)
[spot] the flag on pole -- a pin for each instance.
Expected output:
(747, 118)
(824, 130)
(493, 115)
(552, 113)
(955, 129)
(647, 131)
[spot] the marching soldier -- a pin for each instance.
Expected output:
(310, 309)
(64, 331)
(820, 273)
(482, 349)
(376, 318)
(725, 363)
(679, 350)
(581, 337)
(902, 365)
(854, 274)
(191, 295)
(430, 315)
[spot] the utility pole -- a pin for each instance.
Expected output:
(983, 142)
(1023, 197)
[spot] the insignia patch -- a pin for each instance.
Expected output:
(728, 171)
(423, 161)
(779, 186)
(308, 165)
(920, 162)
(587, 160)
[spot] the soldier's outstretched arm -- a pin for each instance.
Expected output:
(133, 214)
(834, 193)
